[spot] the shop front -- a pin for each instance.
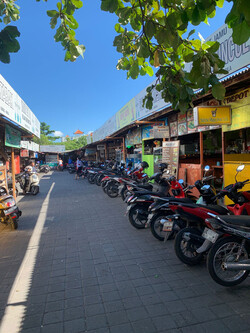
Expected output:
(237, 138)
(133, 143)
(152, 137)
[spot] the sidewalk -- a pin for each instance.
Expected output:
(95, 273)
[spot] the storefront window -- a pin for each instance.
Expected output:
(237, 142)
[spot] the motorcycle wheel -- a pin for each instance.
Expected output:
(186, 249)
(14, 224)
(112, 190)
(226, 250)
(138, 220)
(91, 179)
(156, 227)
(98, 180)
(34, 190)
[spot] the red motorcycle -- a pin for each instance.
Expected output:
(193, 241)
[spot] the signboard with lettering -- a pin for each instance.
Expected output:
(126, 115)
(15, 109)
(52, 149)
(12, 137)
(100, 147)
(160, 132)
(170, 155)
(212, 115)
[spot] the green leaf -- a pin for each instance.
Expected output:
(218, 91)
(134, 70)
(4, 56)
(149, 70)
(220, 3)
(109, 5)
(191, 33)
(77, 3)
(53, 22)
(196, 20)
(214, 47)
(150, 29)
(241, 33)
(188, 57)
(12, 30)
(52, 13)
(119, 28)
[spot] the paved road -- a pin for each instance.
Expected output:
(86, 269)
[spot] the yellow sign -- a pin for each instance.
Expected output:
(239, 103)
(212, 115)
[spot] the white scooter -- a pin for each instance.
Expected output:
(29, 181)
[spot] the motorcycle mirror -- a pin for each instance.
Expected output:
(240, 168)
(181, 181)
(205, 187)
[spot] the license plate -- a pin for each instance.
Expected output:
(210, 235)
(10, 210)
(120, 189)
(167, 226)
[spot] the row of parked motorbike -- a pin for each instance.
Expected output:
(28, 182)
(203, 227)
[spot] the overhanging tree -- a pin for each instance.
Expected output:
(150, 34)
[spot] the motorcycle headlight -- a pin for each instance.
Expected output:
(34, 177)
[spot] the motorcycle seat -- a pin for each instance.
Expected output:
(237, 220)
(158, 194)
(218, 209)
(146, 186)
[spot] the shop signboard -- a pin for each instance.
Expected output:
(15, 109)
(52, 149)
(30, 145)
(100, 147)
(90, 151)
(160, 132)
(126, 115)
(239, 103)
(170, 155)
(234, 56)
(158, 103)
(24, 153)
(212, 115)
(12, 137)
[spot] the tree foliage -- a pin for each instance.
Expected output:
(75, 143)
(45, 137)
(152, 36)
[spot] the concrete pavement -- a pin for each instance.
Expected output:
(88, 270)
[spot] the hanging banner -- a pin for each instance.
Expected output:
(170, 155)
(12, 137)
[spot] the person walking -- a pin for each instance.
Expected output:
(79, 166)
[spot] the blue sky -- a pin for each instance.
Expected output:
(81, 95)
